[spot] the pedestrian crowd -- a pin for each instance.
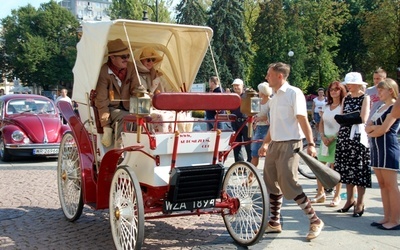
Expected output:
(357, 128)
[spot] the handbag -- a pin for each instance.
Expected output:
(327, 176)
(349, 118)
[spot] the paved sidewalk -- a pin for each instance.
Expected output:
(31, 218)
(341, 231)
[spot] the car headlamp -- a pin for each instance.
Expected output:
(17, 135)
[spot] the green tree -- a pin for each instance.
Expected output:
(39, 45)
(269, 39)
(133, 9)
(193, 12)
(127, 9)
(381, 35)
(351, 51)
(230, 42)
(321, 24)
(251, 12)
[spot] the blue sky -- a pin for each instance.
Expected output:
(8, 5)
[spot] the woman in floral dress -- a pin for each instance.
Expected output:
(352, 150)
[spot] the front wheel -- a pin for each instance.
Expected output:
(244, 187)
(4, 154)
(69, 178)
(126, 210)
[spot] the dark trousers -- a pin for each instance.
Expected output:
(242, 136)
(210, 125)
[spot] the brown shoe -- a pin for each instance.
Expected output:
(273, 229)
(315, 230)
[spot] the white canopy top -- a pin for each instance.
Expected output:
(182, 47)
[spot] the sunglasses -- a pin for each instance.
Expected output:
(123, 57)
(150, 60)
(334, 89)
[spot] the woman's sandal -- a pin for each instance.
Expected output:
(335, 202)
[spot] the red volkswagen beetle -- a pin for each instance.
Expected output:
(30, 125)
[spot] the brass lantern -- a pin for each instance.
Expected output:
(140, 102)
(250, 105)
(139, 105)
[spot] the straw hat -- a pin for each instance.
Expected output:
(149, 52)
(354, 78)
(117, 47)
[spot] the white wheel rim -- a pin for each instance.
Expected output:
(247, 222)
(69, 177)
(123, 211)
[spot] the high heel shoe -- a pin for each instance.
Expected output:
(359, 214)
(346, 209)
(319, 199)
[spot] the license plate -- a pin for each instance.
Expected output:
(45, 151)
(188, 205)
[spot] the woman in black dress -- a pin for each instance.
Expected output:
(352, 149)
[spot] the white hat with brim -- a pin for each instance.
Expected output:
(237, 81)
(354, 78)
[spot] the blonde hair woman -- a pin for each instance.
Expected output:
(385, 153)
(147, 60)
(261, 121)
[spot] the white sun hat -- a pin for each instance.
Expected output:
(354, 78)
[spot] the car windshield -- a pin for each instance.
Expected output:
(31, 105)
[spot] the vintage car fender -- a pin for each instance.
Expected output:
(64, 129)
(7, 131)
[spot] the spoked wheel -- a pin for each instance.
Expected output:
(126, 210)
(69, 178)
(244, 187)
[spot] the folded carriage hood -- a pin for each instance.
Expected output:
(39, 128)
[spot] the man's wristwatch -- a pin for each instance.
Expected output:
(311, 144)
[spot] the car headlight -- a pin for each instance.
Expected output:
(17, 135)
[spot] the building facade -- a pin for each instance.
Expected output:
(88, 10)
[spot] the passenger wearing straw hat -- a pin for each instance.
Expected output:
(147, 62)
(116, 83)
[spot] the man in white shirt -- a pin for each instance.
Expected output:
(63, 97)
(379, 76)
(288, 126)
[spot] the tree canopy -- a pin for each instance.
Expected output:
(328, 38)
(39, 45)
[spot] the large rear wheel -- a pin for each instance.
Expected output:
(244, 187)
(69, 178)
(126, 210)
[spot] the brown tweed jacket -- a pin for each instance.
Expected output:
(108, 81)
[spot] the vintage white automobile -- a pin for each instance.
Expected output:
(169, 171)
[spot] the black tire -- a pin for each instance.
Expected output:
(248, 222)
(4, 154)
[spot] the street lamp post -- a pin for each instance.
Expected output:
(155, 12)
(290, 54)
